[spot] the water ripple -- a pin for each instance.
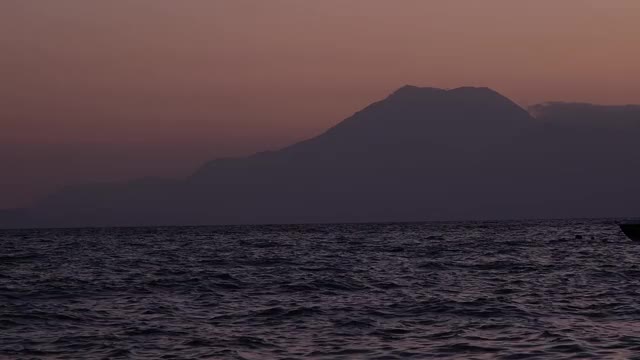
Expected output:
(507, 290)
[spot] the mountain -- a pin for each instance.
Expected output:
(15, 218)
(419, 154)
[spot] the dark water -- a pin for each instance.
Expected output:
(508, 290)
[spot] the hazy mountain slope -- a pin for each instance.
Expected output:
(419, 154)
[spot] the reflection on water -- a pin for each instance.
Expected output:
(475, 290)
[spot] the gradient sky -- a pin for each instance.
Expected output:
(111, 90)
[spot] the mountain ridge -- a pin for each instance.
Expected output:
(418, 154)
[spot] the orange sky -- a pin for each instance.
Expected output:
(103, 90)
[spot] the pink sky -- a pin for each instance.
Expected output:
(108, 90)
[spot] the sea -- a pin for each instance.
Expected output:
(556, 289)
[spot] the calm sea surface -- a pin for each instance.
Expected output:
(510, 290)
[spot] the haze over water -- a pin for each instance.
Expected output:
(477, 290)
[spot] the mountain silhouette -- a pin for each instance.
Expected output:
(419, 154)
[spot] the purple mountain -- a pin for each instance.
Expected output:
(420, 154)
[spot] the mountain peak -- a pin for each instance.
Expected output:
(474, 90)
(465, 96)
(411, 91)
(416, 92)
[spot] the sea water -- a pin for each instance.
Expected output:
(510, 290)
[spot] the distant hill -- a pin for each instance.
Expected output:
(419, 154)
(15, 218)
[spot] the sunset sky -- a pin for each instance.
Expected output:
(118, 89)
